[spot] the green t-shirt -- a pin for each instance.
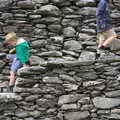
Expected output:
(22, 50)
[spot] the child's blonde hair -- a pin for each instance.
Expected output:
(10, 36)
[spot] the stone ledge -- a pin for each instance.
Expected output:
(6, 97)
(77, 62)
(43, 67)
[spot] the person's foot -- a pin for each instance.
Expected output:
(97, 55)
(104, 48)
(10, 88)
(100, 52)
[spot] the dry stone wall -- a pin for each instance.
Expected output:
(57, 30)
(64, 82)
(75, 90)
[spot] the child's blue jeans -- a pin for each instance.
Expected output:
(16, 64)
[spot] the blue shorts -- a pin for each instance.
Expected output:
(16, 64)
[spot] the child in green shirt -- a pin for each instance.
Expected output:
(19, 55)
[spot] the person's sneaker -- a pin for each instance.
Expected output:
(103, 56)
(104, 48)
(10, 88)
(97, 55)
(100, 52)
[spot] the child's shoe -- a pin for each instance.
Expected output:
(10, 88)
(101, 51)
(104, 48)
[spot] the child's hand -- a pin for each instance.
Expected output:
(12, 50)
(24, 65)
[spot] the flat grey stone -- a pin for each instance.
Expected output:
(69, 32)
(113, 117)
(40, 1)
(70, 87)
(57, 1)
(106, 103)
(91, 83)
(82, 3)
(4, 4)
(27, 4)
(49, 10)
(69, 107)
(69, 98)
(35, 60)
(51, 54)
(2, 63)
(86, 55)
(72, 45)
(87, 11)
(77, 115)
(22, 114)
(113, 94)
(52, 80)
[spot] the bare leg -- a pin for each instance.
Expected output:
(100, 44)
(101, 39)
(12, 78)
(109, 40)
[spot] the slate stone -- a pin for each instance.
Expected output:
(106, 103)
(31, 98)
(113, 117)
(84, 37)
(69, 32)
(27, 4)
(70, 22)
(72, 45)
(5, 4)
(35, 60)
(82, 3)
(52, 80)
(51, 54)
(91, 11)
(58, 1)
(22, 114)
(77, 115)
(41, 1)
(2, 63)
(91, 83)
(113, 94)
(70, 87)
(50, 20)
(69, 107)
(85, 55)
(38, 43)
(69, 98)
(49, 10)
(55, 28)
(67, 78)
(35, 113)
(29, 118)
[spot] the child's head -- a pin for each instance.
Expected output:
(11, 38)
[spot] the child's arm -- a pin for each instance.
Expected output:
(12, 51)
(24, 65)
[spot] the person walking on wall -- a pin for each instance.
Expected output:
(105, 31)
(19, 55)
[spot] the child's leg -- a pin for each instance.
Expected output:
(100, 38)
(16, 64)
(111, 35)
(12, 56)
(12, 78)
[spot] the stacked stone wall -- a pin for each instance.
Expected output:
(76, 90)
(58, 30)
(64, 82)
